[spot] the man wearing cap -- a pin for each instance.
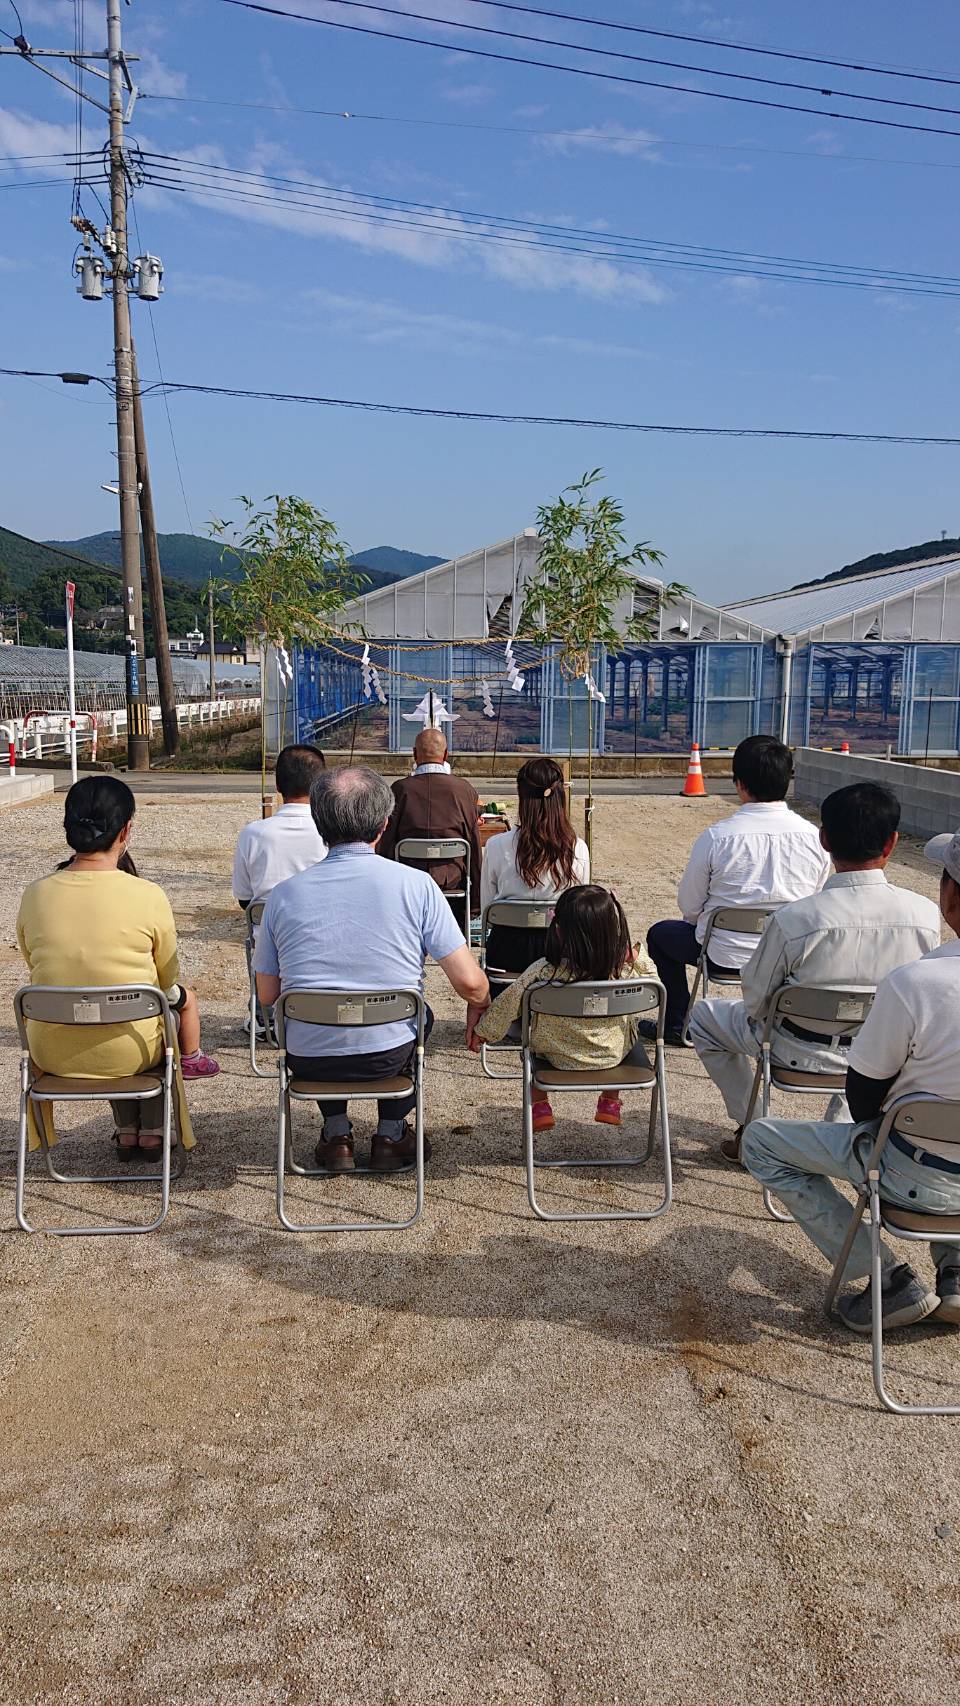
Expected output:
(908, 1046)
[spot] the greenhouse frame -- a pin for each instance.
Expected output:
(873, 659)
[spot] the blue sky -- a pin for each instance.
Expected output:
(284, 300)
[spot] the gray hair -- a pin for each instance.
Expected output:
(350, 804)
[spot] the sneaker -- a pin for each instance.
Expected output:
(543, 1119)
(609, 1109)
(259, 1030)
(199, 1065)
(906, 1299)
(730, 1148)
(948, 1291)
(673, 1034)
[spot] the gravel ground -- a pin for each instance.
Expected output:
(487, 1461)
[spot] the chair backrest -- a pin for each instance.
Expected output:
(432, 847)
(96, 1004)
(519, 914)
(835, 1011)
(254, 914)
(610, 1000)
(747, 920)
(926, 1121)
(354, 1007)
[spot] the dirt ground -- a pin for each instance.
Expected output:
(489, 1460)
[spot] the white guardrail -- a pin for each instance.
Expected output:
(43, 734)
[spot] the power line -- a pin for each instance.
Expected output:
(166, 401)
(630, 58)
(588, 71)
(585, 134)
(328, 201)
(686, 431)
(717, 42)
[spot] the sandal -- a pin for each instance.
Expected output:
(127, 1151)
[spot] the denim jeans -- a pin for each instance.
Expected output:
(727, 1042)
(797, 1159)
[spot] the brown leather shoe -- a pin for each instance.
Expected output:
(336, 1156)
(730, 1147)
(389, 1154)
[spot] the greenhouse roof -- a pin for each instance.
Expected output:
(49, 663)
(797, 611)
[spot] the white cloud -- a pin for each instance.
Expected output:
(448, 241)
(157, 76)
(530, 112)
(825, 142)
(609, 138)
(467, 94)
(21, 133)
(376, 321)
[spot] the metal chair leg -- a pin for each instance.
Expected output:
(121, 1229)
(836, 1277)
(699, 976)
(285, 1159)
(488, 1071)
(630, 1161)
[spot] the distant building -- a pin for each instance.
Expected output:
(871, 658)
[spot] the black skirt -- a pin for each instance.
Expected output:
(514, 950)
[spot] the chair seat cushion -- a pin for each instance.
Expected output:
(338, 1089)
(904, 1220)
(724, 974)
(629, 1074)
(48, 1087)
(790, 1078)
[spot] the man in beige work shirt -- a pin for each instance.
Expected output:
(854, 931)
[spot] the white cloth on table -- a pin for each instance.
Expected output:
(764, 855)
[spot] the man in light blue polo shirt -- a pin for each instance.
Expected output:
(359, 922)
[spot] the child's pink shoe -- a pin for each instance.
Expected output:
(609, 1109)
(199, 1065)
(543, 1119)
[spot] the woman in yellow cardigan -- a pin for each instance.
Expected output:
(94, 921)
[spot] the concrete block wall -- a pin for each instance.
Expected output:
(17, 790)
(930, 799)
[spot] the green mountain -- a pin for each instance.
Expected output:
(190, 558)
(889, 560)
(393, 564)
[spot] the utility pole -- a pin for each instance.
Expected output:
(213, 641)
(138, 715)
(151, 556)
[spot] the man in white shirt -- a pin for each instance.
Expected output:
(854, 931)
(907, 1047)
(763, 855)
(274, 848)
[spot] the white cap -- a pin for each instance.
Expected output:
(945, 849)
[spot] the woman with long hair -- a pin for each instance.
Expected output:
(536, 861)
(95, 921)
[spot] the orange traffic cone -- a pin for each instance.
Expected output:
(693, 786)
(845, 747)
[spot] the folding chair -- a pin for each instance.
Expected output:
(430, 848)
(508, 915)
(749, 921)
(830, 1013)
(921, 1121)
(254, 915)
(353, 1008)
(94, 1005)
(583, 1000)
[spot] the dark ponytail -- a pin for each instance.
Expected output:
(95, 812)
